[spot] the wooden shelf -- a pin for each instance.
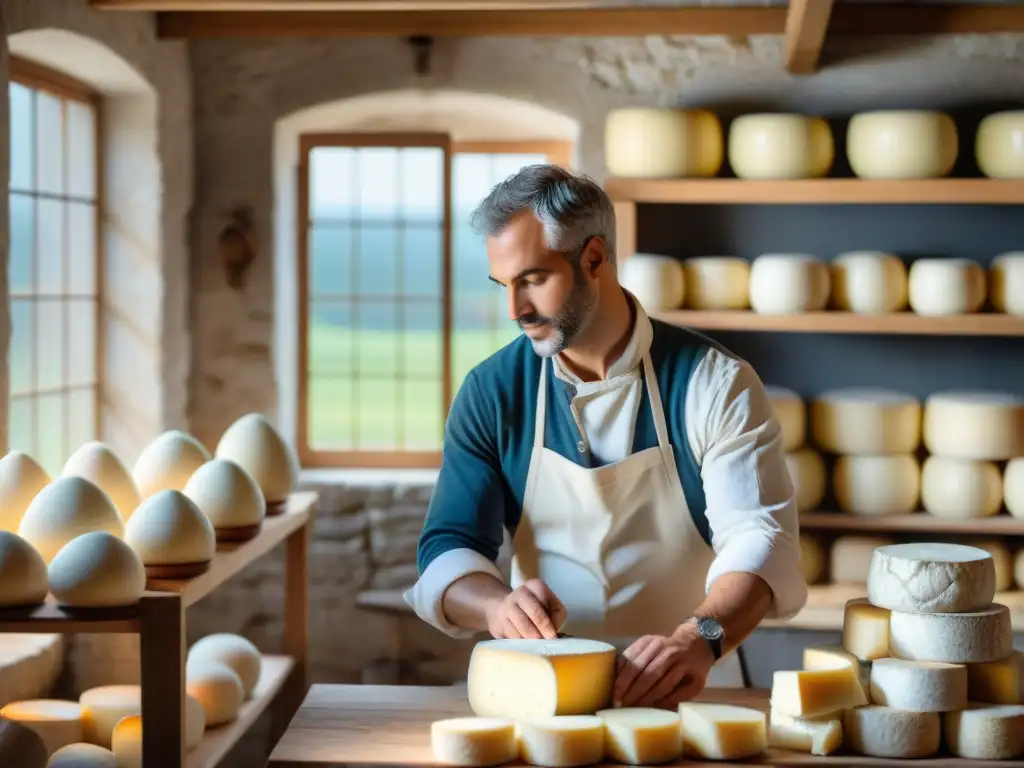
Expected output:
(50, 617)
(997, 525)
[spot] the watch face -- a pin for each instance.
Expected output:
(710, 628)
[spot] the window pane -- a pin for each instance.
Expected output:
(50, 344)
(422, 340)
(82, 342)
(333, 182)
(329, 425)
(81, 133)
(22, 137)
(330, 339)
(330, 259)
(49, 144)
(81, 266)
(378, 338)
(51, 432)
(82, 405)
(50, 254)
(471, 181)
(378, 172)
(422, 179)
(422, 249)
(22, 345)
(504, 164)
(378, 259)
(22, 212)
(379, 412)
(423, 414)
(21, 425)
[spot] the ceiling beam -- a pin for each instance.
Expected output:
(806, 24)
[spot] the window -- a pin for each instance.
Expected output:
(394, 299)
(53, 267)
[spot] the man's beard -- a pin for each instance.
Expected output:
(566, 324)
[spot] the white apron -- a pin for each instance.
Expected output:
(616, 543)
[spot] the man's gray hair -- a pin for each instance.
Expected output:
(571, 208)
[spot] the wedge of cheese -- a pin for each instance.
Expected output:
(722, 731)
(562, 741)
(816, 735)
(826, 657)
(642, 735)
(866, 629)
(474, 742)
(815, 692)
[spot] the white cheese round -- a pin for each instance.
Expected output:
(167, 462)
(985, 732)
(656, 281)
(780, 146)
(254, 445)
(650, 143)
(1001, 559)
(562, 741)
(126, 742)
(960, 489)
(227, 495)
(788, 283)
(878, 731)
(985, 426)
(869, 282)
(233, 651)
(21, 479)
(876, 486)
(169, 529)
(59, 722)
(642, 735)
(23, 580)
(82, 756)
(106, 705)
(918, 686)
(807, 471)
(96, 570)
(999, 145)
(901, 144)
(946, 286)
(64, 510)
(716, 282)
(1007, 282)
(791, 412)
(850, 557)
(958, 638)
(98, 463)
(812, 558)
(866, 421)
(217, 688)
(931, 578)
(1013, 487)
(474, 742)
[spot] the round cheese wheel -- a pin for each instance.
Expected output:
(985, 426)
(474, 742)
(22, 573)
(931, 577)
(58, 722)
(901, 144)
(807, 471)
(1002, 561)
(226, 494)
(716, 282)
(869, 282)
(780, 146)
(96, 570)
(876, 486)
(21, 479)
(957, 638)
(97, 463)
(960, 489)
(918, 686)
(642, 735)
(655, 281)
(788, 283)
(1006, 282)
(126, 742)
(254, 445)
(233, 651)
(21, 746)
(985, 732)
(562, 741)
(1013, 487)
(64, 510)
(939, 287)
(879, 731)
(648, 143)
(1018, 568)
(869, 421)
(999, 145)
(169, 529)
(167, 462)
(812, 558)
(850, 558)
(217, 688)
(790, 411)
(103, 707)
(82, 756)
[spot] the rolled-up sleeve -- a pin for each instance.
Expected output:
(751, 506)
(464, 526)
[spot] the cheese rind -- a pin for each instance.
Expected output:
(655, 281)
(866, 631)
(522, 678)
(869, 282)
(918, 686)
(788, 283)
(716, 282)
(946, 286)
(814, 692)
(984, 426)
(562, 741)
(818, 736)
(985, 732)
(642, 735)
(1007, 282)
(651, 143)
(901, 144)
(960, 489)
(475, 742)
(879, 731)
(997, 682)
(931, 578)
(984, 635)
(875, 486)
(866, 421)
(722, 731)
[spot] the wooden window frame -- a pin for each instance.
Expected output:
(40, 77)
(557, 151)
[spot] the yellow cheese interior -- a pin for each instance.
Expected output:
(866, 630)
(818, 736)
(996, 682)
(813, 692)
(722, 731)
(641, 735)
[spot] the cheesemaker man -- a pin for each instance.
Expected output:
(637, 467)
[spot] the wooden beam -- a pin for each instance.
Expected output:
(806, 24)
(328, 6)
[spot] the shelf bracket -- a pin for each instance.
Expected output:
(806, 25)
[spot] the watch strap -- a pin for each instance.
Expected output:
(712, 638)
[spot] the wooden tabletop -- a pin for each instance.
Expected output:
(386, 725)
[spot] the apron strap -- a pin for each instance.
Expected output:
(657, 411)
(542, 400)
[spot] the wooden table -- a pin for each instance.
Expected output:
(386, 725)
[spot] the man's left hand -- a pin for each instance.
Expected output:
(659, 671)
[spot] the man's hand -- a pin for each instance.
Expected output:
(659, 671)
(530, 611)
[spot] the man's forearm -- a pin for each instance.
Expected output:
(738, 602)
(468, 601)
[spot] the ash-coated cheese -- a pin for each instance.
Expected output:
(716, 282)
(984, 426)
(655, 281)
(866, 421)
(866, 629)
(474, 742)
(961, 638)
(812, 558)
(877, 486)
(997, 682)
(788, 283)
(931, 577)
(807, 471)
(960, 489)
(985, 732)
(562, 741)
(1013, 487)
(791, 413)
(523, 678)
(1007, 282)
(642, 735)
(878, 731)
(817, 736)
(946, 286)
(815, 692)
(722, 731)
(828, 656)
(918, 686)
(850, 557)
(869, 282)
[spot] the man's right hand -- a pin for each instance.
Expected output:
(529, 611)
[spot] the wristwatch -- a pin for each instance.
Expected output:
(712, 632)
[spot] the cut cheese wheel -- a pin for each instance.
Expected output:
(167, 462)
(982, 732)
(103, 707)
(918, 686)
(790, 410)
(522, 678)
(58, 722)
(818, 736)
(780, 146)
(127, 742)
(931, 578)
(649, 143)
(258, 448)
(997, 682)
(807, 471)
(869, 282)
(879, 731)
(1002, 560)
(562, 741)
(866, 632)
(850, 558)
(64, 510)
(1006, 283)
(21, 478)
(999, 145)
(82, 756)
(642, 735)
(866, 421)
(474, 742)
(96, 570)
(939, 287)
(958, 638)
(788, 283)
(812, 558)
(877, 486)
(23, 580)
(97, 463)
(655, 281)
(815, 692)
(828, 656)
(1013, 487)
(901, 144)
(984, 426)
(960, 489)
(722, 731)
(717, 282)
(218, 690)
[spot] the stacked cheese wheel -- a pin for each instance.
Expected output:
(548, 703)
(805, 465)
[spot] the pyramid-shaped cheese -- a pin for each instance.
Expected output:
(253, 444)
(64, 510)
(96, 462)
(21, 479)
(169, 529)
(168, 462)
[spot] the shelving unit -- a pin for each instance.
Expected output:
(159, 620)
(997, 525)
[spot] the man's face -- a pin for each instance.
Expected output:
(548, 294)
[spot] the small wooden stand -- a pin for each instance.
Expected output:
(240, 533)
